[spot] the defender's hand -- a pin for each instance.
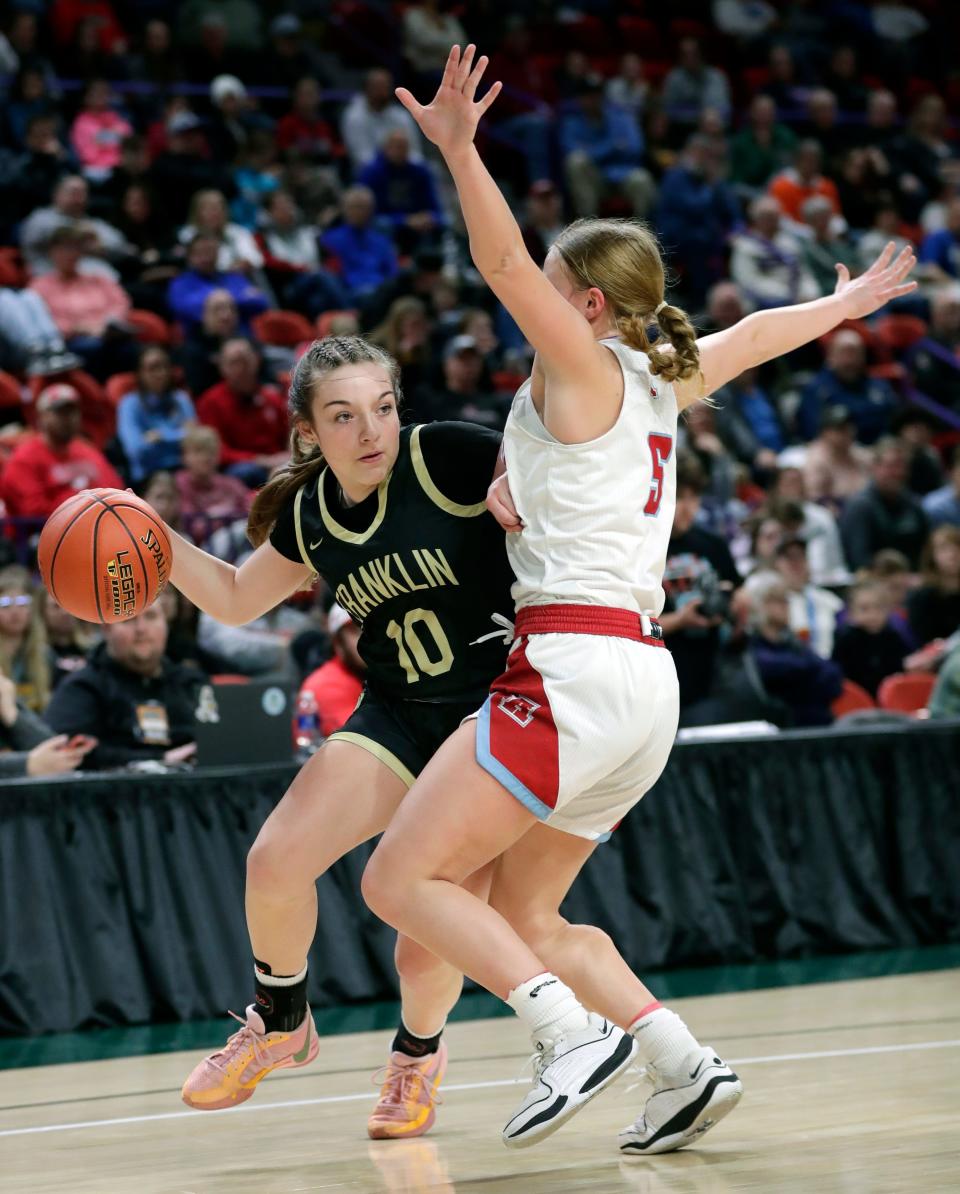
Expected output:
(450, 120)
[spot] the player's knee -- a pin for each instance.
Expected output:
(267, 868)
(380, 885)
(415, 964)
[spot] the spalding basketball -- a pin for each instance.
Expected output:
(104, 555)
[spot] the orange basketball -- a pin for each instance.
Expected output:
(104, 555)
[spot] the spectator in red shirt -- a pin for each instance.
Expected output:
(47, 468)
(251, 418)
(337, 684)
(304, 131)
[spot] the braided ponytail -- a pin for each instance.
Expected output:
(622, 258)
(306, 459)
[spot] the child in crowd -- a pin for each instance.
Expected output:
(867, 647)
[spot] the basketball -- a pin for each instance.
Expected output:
(104, 555)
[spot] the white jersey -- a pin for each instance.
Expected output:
(597, 516)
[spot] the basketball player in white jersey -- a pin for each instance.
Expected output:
(581, 723)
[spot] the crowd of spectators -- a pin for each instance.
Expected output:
(190, 192)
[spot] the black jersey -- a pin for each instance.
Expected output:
(420, 564)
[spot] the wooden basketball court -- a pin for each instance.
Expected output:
(849, 1087)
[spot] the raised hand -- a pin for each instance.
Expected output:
(450, 120)
(883, 281)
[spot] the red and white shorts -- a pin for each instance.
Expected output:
(582, 722)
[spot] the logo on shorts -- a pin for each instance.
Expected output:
(519, 709)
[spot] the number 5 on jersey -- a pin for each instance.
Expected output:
(660, 448)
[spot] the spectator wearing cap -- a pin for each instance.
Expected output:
(823, 249)
(89, 310)
(366, 257)
(405, 193)
(766, 261)
(942, 506)
(885, 514)
(98, 132)
(835, 466)
(602, 148)
(185, 166)
(188, 293)
(373, 113)
(152, 418)
(791, 673)
(844, 381)
(544, 218)
(867, 646)
(228, 129)
(695, 214)
(54, 463)
(761, 148)
(337, 684)
(290, 55)
(238, 250)
(250, 418)
(102, 242)
(793, 186)
(692, 85)
(813, 610)
(463, 396)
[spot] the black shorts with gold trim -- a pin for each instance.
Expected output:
(404, 735)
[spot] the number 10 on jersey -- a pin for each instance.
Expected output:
(410, 649)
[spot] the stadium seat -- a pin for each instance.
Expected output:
(852, 699)
(284, 329)
(118, 385)
(12, 272)
(899, 332)
(151, 329)
(906, 692)
(640, 35)
(230, 678)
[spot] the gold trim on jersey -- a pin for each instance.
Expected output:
(340, 532)
(428, 487)
(379, 752)
(296, 526)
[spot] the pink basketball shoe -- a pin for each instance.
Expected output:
(408, 1097)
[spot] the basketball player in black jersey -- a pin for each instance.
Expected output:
(394, 521)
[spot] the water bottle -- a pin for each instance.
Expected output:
(306, 732)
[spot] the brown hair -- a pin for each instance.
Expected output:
(32, 652)
(928, 565)
(320, 359)
(622, 259)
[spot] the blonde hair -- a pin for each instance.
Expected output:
(622, 259)
(306, 459)
(202, 435)
(33, 650)
(387, 334)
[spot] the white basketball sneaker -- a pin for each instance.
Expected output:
(683, 1105)
(569, 1070)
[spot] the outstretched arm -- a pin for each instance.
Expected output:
(768, 334)
(559, 333)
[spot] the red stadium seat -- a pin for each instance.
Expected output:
(640, 35)
(282, 328)
(899, 332)
(12, 271)
(230, 678)
(118, 385)
(151, 329)
(852, 699)
(685, 27)
(906, 692)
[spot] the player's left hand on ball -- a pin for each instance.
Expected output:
(500, 504)
(883, 281)
(450, 119)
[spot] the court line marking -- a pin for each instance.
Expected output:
(90, 1125)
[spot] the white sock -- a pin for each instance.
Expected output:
(279, 980)
(664, 1040)
(545, 1003)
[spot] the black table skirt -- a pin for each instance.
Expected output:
(121, 897)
